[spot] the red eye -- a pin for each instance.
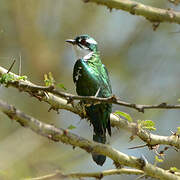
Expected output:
(83, 42)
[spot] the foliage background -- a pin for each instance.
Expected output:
(143, 66)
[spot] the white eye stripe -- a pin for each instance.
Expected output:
(91, 41)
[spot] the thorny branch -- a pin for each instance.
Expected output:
(56, 103)
(153, 14)
(67, 137)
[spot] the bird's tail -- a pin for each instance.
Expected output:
(99, 159)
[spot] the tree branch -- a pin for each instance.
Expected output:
(56, 103)
(31, 88)
(150, 13)
(67, 137)
(97, 175)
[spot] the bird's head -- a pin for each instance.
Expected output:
(84, 42)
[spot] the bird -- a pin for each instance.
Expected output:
(91, 79)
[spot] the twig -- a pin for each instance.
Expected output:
(11, 66)
(140, 146)
(67, 137)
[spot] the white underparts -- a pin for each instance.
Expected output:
(82, 53)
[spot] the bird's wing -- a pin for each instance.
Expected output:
(85, 78)
(106, 85)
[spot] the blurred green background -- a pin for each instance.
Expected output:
(143, 65)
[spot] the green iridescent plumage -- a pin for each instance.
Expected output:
(91, 79)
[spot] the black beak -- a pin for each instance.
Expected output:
(71, 41)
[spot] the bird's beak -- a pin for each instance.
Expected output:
(71, 41)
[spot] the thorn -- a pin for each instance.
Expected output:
(11, 66)
(177, 150)
(154, 147)
(155, 25)
(51, 87)
(140, 177)
(143, 161)
(143, 157)
(140, 146)
(113, 98)
(131, 137)
(36, 96)
(164, 104)
(173, 133)
(19, 64)
(46, 94)
(166, 148)
(140, 109)
(69, 100)
(65, 132)
(110, 9)
(117, 165)
(50, 109)
(97, 92)
(101, 176)
(49, 136)
(133, 9)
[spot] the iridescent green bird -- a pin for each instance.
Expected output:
(91, 79)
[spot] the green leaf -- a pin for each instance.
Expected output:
(125, 115)
(157, 159)
(22, 78)
(61, 86)
(150, 128)
(71, 127)
(178, 130)
(174, 169)
(147, 124)
(51, 78)
(48, 79)
(5, 78)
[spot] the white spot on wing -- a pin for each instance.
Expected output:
(78, 74)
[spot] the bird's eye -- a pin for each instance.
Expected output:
(83, 42)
